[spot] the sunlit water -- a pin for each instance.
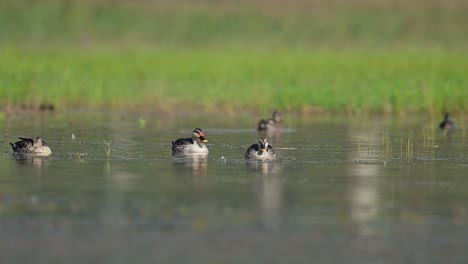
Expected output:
(337, 193)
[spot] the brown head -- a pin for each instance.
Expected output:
(276, 116)
(262, 125)
(38, 142)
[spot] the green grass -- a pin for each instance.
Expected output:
(356, 55)
(258, 23)
(378, 81)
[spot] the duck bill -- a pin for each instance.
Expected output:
(203, 139)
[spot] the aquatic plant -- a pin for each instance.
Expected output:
(387, 144)
(107, 148)
(142, 123)
(358, 138)
(401, 148)
(462, 125)
(409, 149)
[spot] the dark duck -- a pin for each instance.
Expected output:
(447, 124)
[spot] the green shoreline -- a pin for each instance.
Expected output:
(304, 56)
(169, 79)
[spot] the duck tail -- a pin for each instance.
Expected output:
(13, 146)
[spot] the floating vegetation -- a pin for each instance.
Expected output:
(80, 156)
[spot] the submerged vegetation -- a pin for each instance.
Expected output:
(394, 56)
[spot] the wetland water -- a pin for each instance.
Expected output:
(343, 190)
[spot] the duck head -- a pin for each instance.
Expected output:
(447, 117)
(38, 142)
(262, 145)
(198, 135)
(276, 116)
(262, 125)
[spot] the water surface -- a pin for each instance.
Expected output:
(342, 190)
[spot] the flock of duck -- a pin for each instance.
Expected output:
(183, 146)
(196, 144)
(261, 151)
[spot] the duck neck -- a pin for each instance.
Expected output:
(197, 141)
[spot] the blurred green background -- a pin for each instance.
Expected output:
(344, 56)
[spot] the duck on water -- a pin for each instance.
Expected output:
(447, 123)
(270, 125)
(261, 151)
(193, 145)
(31, 147)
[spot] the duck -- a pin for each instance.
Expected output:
(447, 123)
(32, 147)
(193, 145)
(261, 151)
(270, 125)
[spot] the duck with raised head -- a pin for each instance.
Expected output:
(32, 147)
(260, 151)
(447, 123)
(270, 125)
(193, 145)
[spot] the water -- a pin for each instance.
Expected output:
(336, 194)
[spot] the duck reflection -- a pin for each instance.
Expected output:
(36, 162)
(261, 167)
(270, 128)
(363, 194)
(196, 163)
(269, 191)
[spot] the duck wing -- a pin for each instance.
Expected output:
(182, 141)
(25, 145)
(26, 139)
(253, 148)
(270, 149)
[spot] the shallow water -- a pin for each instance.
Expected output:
(335, 194)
